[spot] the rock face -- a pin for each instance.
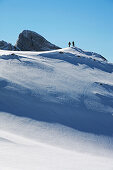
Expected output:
(7, 46)
(31, 41)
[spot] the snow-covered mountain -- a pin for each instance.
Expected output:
(56, 110)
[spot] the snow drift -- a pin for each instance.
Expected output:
(56, 105)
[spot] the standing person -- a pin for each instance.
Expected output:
(69, 44)
(73, 43)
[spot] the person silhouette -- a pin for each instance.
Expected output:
(73, 43)
(69, 44)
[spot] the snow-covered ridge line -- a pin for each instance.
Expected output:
(71, 55)
(55, 106)
(62, 80)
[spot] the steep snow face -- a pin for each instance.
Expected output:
(7, 46)
(31, 41)
(56, 110)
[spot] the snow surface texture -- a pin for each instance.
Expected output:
(56, 110)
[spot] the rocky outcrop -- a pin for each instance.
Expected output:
(7, 46)
(31, 41)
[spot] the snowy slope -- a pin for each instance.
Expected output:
(56, 110)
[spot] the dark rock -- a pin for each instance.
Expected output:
(31, 41)
(61, 52)
(7, 46)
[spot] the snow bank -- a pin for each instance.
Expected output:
(56, 107)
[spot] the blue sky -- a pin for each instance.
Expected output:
(88, 22)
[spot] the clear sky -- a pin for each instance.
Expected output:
(88, 22)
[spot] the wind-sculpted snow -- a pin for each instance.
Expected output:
(56, 103)
(87, 53)
(52, 87)
(77, 59)
(26, 144)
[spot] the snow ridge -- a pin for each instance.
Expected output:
(56, 110)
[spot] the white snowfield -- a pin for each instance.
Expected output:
(56, 110)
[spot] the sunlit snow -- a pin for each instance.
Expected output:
(56, 110)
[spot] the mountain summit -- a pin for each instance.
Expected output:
(7, 46)
(32, 41)
(29, 41)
